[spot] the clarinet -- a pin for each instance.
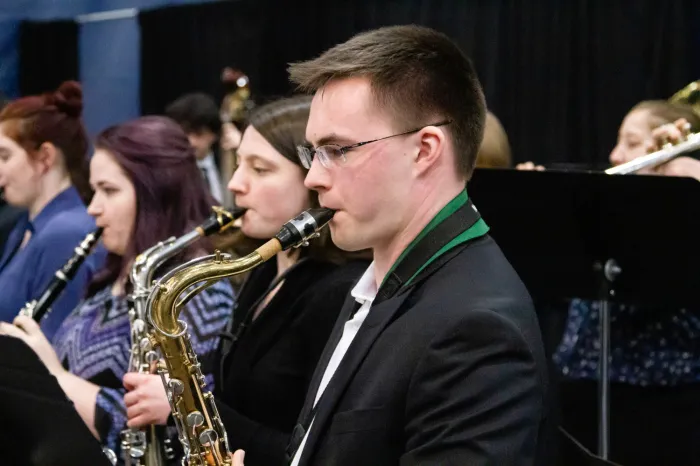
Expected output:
(143, 447)
(38, 308)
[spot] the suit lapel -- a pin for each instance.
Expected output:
(377, 320)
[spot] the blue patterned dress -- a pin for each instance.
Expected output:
(648, 347)
(94, 342)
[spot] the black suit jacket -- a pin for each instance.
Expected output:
(451, 373)
(266, 376)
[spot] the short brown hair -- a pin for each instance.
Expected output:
(662, 112)
(419, 75)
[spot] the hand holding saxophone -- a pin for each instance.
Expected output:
(146, 400)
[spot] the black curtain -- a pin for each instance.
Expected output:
(185, 48)
(560, 75)
(48, 55)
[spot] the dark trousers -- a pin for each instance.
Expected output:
(655, 426)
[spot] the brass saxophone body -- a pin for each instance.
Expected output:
(144, 447)
(199, 425)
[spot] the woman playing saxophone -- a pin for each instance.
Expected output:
(286, 308)
(138, 172)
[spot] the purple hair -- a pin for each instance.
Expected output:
(171, 196)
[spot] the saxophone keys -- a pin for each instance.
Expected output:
(176, 387)
(151, 357)
(208, 437)
(139, 326)
(145, 344)
(153, 343)
(195, 419)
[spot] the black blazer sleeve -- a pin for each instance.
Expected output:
(322, 304)
(474, 394)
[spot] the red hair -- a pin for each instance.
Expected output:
(55, 118)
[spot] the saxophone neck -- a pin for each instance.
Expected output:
(164, 302)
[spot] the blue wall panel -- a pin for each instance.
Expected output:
(109, 72)
(9, 57)
(109, 52)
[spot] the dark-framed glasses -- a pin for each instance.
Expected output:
(328, 154)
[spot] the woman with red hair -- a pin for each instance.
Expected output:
(44, 171)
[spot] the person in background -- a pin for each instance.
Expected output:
(635, 138)
(494, 151)
(44, 171)
(138, 172)
(655, 352)
(286, 308)
(8, 213)
(199, 117)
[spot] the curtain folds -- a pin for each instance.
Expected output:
(559, 75)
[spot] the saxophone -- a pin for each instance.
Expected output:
(200, 429)
(36, 309)
(143, 447)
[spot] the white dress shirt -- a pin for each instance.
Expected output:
(208, 167)
(364, 293)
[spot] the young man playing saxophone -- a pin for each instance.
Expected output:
(436, 358)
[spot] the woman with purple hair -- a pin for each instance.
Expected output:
(147, 188)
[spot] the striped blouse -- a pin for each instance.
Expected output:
(94, 343)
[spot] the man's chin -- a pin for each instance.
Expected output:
(347, 243)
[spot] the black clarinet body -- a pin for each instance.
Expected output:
(38, 308)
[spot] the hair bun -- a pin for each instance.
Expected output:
(69, 99)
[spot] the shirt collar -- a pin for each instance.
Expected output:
(67, 199)
(366, 289)
(207, 162)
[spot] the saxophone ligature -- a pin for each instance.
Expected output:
(38, 308)
(200, 429)
(143, 447)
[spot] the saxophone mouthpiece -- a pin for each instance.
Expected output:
(299, 230)
(221, 220)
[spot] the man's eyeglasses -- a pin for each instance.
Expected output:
(330, 153)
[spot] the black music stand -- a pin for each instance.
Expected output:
(39, 424)
(633, 239)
